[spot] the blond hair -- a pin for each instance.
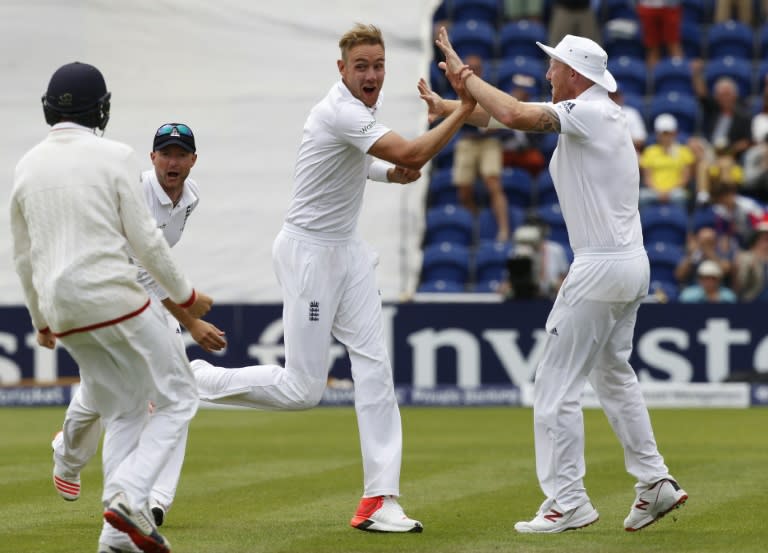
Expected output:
(360, 34)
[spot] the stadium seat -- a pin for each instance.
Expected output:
(664, 291)
(760, 77)
(449, 223)
(617, 9)
(553, 218)
(740, 70)
(664, 223)
(473, 38)
(730, 38)
(441, 286)
(672, 75)
(447, 262)
(762, 41)
(518, 38)
(698, 12)
(663, 258)
(630, 73)
(487, 229)
(441, 189)
(692, 37)
(479, 10)
(491, 260)
(444, 158)
(684, 107)
(518, 186)
(545, 189)
(623, 38)
(637, 102)
(487, 287)
(508, 68)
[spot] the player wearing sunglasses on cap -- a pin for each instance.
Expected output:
(592, 321)
(171, 197)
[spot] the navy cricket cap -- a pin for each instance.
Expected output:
(75, 88)
(174, 133)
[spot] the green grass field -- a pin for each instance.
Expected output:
(289, 482)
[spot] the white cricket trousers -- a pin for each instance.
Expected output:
(329, 288)
(122, 367)
(82, 434)
(590, 330)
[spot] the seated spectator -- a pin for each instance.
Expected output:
(667, 166)
(537, 266)
(724, 119)
(735, 214)
(704, 156)
(523, 9)
(635, 121)
(573, 17)
(521, 148)
(478, 152)
(709, 288)
(660, 24)
(756, 170)
(705, 245)
(751, 268)
(760, 120)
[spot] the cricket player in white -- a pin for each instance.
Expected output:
(327, 273)
(171, 197)
(75, 209)
(591, 325)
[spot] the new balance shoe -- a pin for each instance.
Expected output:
(653, 502)
(137, 523)
(67, 484)
(158, 512)
(383, 514)
(555, 520)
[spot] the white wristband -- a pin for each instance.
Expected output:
(495, 124)
(378, 170)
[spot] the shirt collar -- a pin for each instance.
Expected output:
(70, 125)
(187, 196)
(346, 93)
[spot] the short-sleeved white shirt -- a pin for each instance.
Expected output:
(332, 163)
(171, 219)
(595, 172)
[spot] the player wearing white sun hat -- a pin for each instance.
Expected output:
(590, 327)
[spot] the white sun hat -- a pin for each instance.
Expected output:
(585, 56)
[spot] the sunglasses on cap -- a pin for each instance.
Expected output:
(169, 128)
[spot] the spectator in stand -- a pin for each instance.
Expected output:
(756, 170)
(760, 120)
(666, 166)
(635, 121)
(725, 9)
(660, 22)
(750, 280)
(735, 214)
(709, 288)
(705, 245)
(522, 9)
(479, 152)
(521, 149)
(573, 17)
(704, 156)
(725, 121)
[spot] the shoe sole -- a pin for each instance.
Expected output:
(366, 525)
(146, 543)
(680, 503)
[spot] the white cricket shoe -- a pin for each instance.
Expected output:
(555, 520)
(383, 514)
(653, 502)
(137, 523)
(67, 484)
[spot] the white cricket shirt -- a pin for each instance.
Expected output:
(332, 164)
(170, 219)
(596, 175)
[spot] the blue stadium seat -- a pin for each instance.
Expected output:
(518, 38)
(692, 37)
(487, 287)
(617, 9)
(740, 70)
(441, 286)
(441, 189)
(637, 102)
(447, 262)
(486, 222)
(545, 189)
(479, 10)
(491, 261)
(473, 38)
(697, 11)
(623, 38)
(730, 38)
(444, 158)
(762, 41)
(553, 218)
(664, 223)
(672, 75)
(630, 73)
(518, 186)
(684, 107)
(449, 223)
(663, 258)
(760, 77)
(534, 68)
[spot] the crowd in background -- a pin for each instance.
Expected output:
(697, 109)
